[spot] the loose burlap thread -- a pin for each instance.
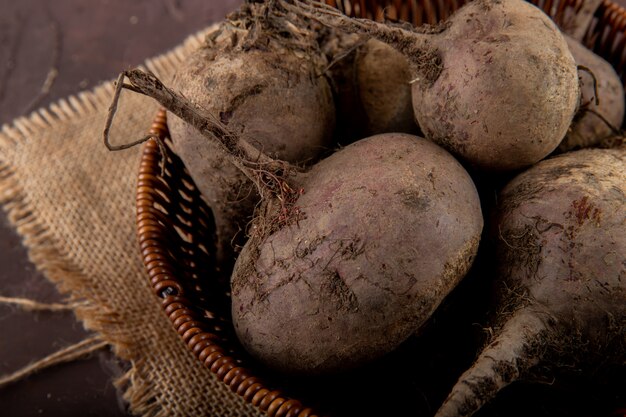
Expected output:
(73, 203)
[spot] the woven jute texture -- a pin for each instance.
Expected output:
(73, 202)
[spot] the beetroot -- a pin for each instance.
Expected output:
(389, 226)
(561, 232)
(495, 84)
(259, 76)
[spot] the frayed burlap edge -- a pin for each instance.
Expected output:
(44, 251)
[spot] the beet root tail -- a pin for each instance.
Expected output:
(514, 350)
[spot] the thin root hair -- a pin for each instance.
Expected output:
(119, 86)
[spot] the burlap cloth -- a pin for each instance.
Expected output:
(73, 202)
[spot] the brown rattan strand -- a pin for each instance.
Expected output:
(173, 226)
(431, 12)
(416, 11)
(607, 36)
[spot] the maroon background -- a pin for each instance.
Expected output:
(88, 42)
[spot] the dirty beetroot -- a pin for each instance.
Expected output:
(561, 257)
(495, 84)
(382, 241)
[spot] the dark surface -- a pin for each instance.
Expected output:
(87, 42)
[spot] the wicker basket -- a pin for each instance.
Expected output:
(175, 226)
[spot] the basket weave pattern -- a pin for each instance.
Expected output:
(175, 226)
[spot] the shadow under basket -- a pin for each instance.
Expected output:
(176, 230)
